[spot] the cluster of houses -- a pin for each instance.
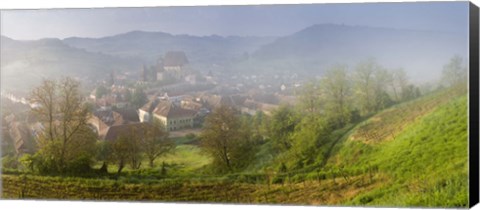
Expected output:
(176, 113)
(178, 107)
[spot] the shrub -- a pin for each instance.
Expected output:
(10, 162)
(278, 179)
(190, 136)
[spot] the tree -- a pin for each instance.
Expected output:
(455, 73)
(282, 125)
(155, 142)
(335, 86)
(67, 137)
(310, 140)
(381, 97)
(410, 92)
(258, 123)
(399, 83)
(139, 98)
(223, 138)
(101, 91)
(120, 151)
(371, 82)
(126, 148)
(310, 98)
(46, 97)
(364, 84)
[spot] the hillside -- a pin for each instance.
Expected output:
(312, 50)
(420, 146)
(25, 63)
(320, 46)
(150, 46)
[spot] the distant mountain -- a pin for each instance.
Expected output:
(150, 46)
(312, 50)
(25, 63)
(308, 53)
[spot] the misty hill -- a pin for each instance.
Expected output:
(25, 63)
(150, 46)
(307, 52)
(421, 53)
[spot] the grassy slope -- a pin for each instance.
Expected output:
(425, 156)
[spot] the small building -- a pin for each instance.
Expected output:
(172, 116)
(104, 120)
(134, 129)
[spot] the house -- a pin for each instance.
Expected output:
(172, 116)
(114, 132)
(104, 120)
(21, 137)
(215, 101)
(116, 96)
(251, 107)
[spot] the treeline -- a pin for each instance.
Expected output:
(302, 136)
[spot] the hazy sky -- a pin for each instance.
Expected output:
(231, 20)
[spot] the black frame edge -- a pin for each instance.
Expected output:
(473, 105)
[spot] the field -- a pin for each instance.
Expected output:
(328, 192)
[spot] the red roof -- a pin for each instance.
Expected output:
(116, 131)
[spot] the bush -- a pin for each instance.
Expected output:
(81, 165)
(190, 136)
(251, 178)
(278, 179)
(298, 178)
(10, 162)
(27, 162)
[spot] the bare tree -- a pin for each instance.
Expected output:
(61, 110)
(455, 73)
(45, 96)
(155, 142)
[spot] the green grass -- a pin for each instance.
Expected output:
(188, 158)
(184, 160)
(427, 162)
(183, 140)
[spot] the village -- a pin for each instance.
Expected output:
(170, 92)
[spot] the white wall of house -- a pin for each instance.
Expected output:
(144, 116)
(172, 124)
